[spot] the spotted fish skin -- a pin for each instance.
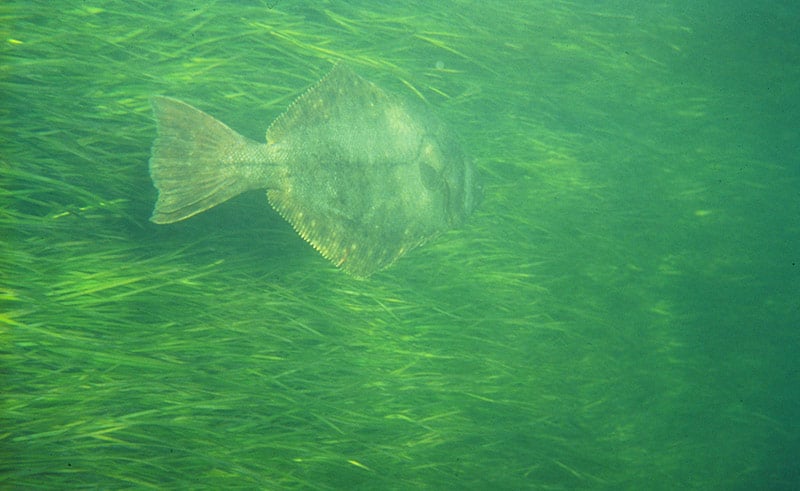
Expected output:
(360, 174)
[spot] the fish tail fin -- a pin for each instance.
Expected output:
(194, 161)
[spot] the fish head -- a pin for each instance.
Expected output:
(447, 172)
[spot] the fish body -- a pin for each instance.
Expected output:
(360, 174)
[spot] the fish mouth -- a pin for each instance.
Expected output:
(473, 190)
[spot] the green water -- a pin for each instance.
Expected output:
(621, 312)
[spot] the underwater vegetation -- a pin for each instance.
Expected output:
(584, 329)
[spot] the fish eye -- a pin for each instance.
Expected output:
(430, 177)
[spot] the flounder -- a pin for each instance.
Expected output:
(361, 174)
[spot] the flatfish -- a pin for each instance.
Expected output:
(361, 174)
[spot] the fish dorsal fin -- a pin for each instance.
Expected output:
(323, 103)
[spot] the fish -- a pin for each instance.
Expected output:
(361, 174)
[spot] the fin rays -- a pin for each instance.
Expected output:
(193, 161)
